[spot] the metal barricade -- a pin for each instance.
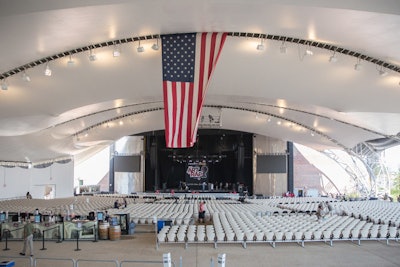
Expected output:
(29, 259)
(6, 233)
(83, 260)
(143, 262)
(53, 259)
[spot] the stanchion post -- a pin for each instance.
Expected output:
(77, 241)
(59, 235)
(43, 248)
(8, 231)
(95, 233)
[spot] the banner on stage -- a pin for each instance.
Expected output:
(196, 173)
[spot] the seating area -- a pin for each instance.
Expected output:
(274, 221)
(270, 221)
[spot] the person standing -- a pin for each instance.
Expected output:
(320, 212)
(202, 212)
(28, 238)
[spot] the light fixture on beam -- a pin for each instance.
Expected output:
(333, 58)
(116, 51)
(4, 85)
(25, 77)
(70, 61)
(358, 65)
(155, 46)
(92, 56)
(47, 70)
(308, 51)
(382, 72)
(260, 46)
(283, 48)
(140, 48)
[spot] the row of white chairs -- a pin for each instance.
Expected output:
(232, 231)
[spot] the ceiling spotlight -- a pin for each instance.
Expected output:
(92, 56)
(283, 48)
(47, 70)
(116, 51)
(312, 133)
(308, 52)
(70, 61)
(140, 48)
(4, 85)
(260, 46)
(155, 46)
(382, 72)
(333, 58)
(25, 77)
(358, 66)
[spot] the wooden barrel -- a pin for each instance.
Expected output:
(103, 230)
(115, 232)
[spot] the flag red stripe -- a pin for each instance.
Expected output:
(201, 72)
(182, 105)
(174, 110)
(189, 128)
(211, 57)
(166, 105)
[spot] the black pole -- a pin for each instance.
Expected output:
(77, 241)
(6, 230)
(43, 248)
(59, 235)
(95, 233)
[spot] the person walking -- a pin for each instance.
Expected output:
(28, 238)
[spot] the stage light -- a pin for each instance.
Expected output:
(4, 85)
(308, 52)
(333, 58)
(70, 61)
(260, 46)
(25, 77)
(140, 48)
(92, 56)
(47, 70)
(283, 48)
(116, 51)
(155, 46)
(358, 65)
(382, 72)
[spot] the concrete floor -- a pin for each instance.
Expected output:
(142, 247)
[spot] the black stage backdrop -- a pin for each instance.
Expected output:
(219, 157)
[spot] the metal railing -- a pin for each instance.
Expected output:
(7, 231)
(53, 259)
(82, 260)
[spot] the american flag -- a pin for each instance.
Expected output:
(188, 62)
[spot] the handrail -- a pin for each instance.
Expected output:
(54, 259)
(79, 260)
(19, 257)
(143, 261)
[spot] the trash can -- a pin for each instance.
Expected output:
(131, 229)
(160, 225)
(7, 263)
